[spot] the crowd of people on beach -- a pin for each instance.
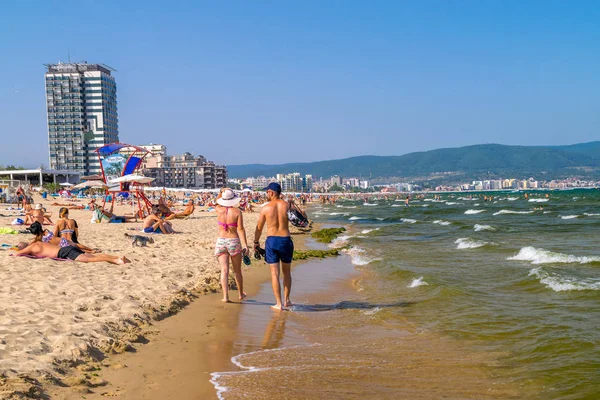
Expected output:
(231, 248)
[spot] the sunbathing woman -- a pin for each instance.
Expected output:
(231, 241)
(45, 236)
(66, 228)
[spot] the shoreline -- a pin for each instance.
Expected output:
(176, 351)
(86, 313)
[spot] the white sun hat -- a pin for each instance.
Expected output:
(37, 207)
(228, 199)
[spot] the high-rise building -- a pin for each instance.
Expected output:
(81, 102)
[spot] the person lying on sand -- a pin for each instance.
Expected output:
(44, 235)
(113, 217)
(69, 206)
(47, 250)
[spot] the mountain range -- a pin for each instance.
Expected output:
(483, 161)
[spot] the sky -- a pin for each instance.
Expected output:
(271, 82)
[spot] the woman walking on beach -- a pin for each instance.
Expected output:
(231, 241)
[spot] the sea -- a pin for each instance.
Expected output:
(450, 297)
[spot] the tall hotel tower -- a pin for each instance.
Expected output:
(81, 100)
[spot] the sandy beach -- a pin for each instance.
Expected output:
(61, 316)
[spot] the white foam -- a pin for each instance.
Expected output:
(416, 282)
(408, 220)
(452, 203)
(365, 231)
(569, 216)
(372, 311)
(355, 218)
(591, 215)
(479, 228)
(440, 222)
(538, 200)
(468, 243)
(358, 256)
(512, 212)
(562, 284)
(370, 204)
(396, 205)
(340, 241)
(250, 369)
(541, 256)
(512, 198)
(381, 219)
(468, 212)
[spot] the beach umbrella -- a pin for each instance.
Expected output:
(65, 184)
(90, 184)
(133, 178)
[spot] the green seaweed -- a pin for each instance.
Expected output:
(305, 254)
(327, 235)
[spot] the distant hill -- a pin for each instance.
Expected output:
(483, 161)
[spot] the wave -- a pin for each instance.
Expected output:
(561, 283)
(541, 256)
(359, 256)
(569, 216)
(591, 215)
(468, 243)
(381, 218)
(479, 228)
(365, 231)
(355, 218)
(512, 212)
(340, 241)
(370, 204)
(440, 222)
(396, 205)
(474, 211)
(452, 203)
(408, 220)
(538, 200)
(512, 198)
(416, 282)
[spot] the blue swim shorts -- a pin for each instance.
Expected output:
(279, 248)
(150, 230)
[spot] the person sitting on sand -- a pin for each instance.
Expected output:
(155, 224)
(48, 250)
(65, 227)
(189, 210)
(39, 214)
(231, 241)
(165, 209)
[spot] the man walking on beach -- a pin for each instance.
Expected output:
(279, 247)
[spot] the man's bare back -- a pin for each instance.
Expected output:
(275, 213)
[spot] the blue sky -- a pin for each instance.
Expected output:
(280, 81)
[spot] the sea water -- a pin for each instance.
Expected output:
(463, 298)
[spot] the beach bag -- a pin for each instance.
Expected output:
(297, 217)
(18, 221)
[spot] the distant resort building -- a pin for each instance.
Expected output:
(81, 105)
(182, 171)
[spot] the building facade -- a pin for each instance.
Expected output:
(185, 171)
(81, 105)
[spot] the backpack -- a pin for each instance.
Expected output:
(297, 217)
